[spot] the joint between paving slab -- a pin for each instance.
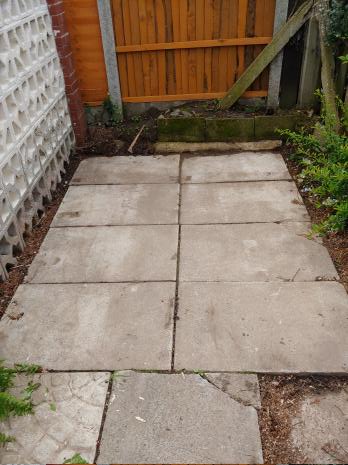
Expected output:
(105, 411)
(176, 302)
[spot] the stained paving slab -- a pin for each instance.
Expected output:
(262, 327)
(320, 428)
(246, 202)
(106, 254)
(245, 166)
(128, 170)
(90, 326)
(243, 388)
(119, 205)
(159, 418)
(252, 252)
(67, 419)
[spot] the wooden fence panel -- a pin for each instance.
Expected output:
(171, 49)
(83, 25)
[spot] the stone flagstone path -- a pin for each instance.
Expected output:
(154, 265)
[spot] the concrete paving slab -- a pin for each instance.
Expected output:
(252, 252)
(262, 327)
(245, 166)
(320, 428)
(243, 388)
(128, 170)
(159, 418)
(90, 326)
(245, 202)
(119, 205)
(67, 419)
(106, 254)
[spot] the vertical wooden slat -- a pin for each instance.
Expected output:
(119, 37)
(208, 34)
(224, 34)
(200, 52)
(161, 37)
(232, 54)
(127, 21)
(143, 39)
(138, 64)
(215, 72)
(242, 19)
(151, 37)
(170, 60)
(183, 37)
(177, 54)
(192, 54)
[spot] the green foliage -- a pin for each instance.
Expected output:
(338, 21)
(76, 459)
(343, 59)
(10, 405)
(323, 158)
(113, 110)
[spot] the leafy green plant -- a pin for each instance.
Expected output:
(114, 112)
(76, 459)
(323, 157)
(10, 405)
(338, 21)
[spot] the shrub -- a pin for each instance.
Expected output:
(323, 157)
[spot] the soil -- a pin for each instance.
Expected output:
(281, 398)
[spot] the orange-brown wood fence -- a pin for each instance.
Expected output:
(172, 49)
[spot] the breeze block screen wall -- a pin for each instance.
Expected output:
(36, 135)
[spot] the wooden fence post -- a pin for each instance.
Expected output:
(281, 14)
(108, 38)
(310, 72)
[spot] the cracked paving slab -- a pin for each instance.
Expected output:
(159, 418)
(320, 428)
(128, 170)
(90, 326)
(119, 205)
(246, 202)
(253, 252)
(106, 254)
(245, 166)
(262, 327)
(67, 419)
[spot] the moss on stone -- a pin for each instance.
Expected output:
(181, 129)
(229, 129)
(265, 126)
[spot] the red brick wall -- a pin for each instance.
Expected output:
(56, 9)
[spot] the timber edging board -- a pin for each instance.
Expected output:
(236, 129)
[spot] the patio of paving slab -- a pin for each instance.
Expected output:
(157, 263)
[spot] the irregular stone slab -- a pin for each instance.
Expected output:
(245, 166)
(262, 327)
(90, 326)
(106, 254)
(320, 428)
(128, 170)
(243, 388)
(249, 202)
(192, 147)
(68, 414)
(119, 205)
(252, 252)
(159, 418)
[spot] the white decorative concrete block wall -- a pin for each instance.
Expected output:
(36, 134)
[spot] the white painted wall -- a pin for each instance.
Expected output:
(36, 135)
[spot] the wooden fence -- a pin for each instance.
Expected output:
(172, 49)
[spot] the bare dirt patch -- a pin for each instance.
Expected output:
(281, 397)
